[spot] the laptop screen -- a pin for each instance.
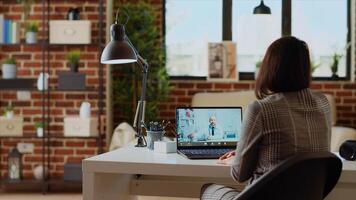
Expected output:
(208, 126)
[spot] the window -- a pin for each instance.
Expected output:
(190, 25)
(254, 33)
(323, 25)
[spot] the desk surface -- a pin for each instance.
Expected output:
(132, 160)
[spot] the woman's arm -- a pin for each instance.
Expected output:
(247, 147)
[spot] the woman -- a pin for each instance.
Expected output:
(287, 118)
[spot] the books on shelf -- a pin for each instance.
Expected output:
(9, 31)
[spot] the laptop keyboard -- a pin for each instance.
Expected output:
(204, 153)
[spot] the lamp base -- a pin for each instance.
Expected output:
(141, 142)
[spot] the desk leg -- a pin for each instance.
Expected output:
(105, 186)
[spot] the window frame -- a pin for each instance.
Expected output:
(286, 24)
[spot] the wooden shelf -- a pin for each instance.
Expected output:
(84, 90)
(20, 182)
(20, 137)
(18, 84)
(51, 137)
(39, 43)
(74, 137)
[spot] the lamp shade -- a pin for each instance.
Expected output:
(118, 50)
(262, 9)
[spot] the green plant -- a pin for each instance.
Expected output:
(73, 57)
(258, 64)
(142, 31)
(39, 124)
(9, 108)
(32, 26)
(314, 66)
(335, 65)
(26, 6)
(10, 61)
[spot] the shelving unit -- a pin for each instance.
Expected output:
(18, 84)
(30, 84)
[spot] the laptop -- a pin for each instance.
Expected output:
(207, 132)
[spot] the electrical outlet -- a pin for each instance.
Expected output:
(25, 147)
(23, 95)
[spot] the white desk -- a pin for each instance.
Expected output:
(112, 176)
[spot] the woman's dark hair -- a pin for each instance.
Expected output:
(285, 68)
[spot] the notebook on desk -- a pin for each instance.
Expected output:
(207, 132)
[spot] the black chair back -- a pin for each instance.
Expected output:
(306, 176)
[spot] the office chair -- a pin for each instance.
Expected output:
(306, 176)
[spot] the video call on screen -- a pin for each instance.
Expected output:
(208, 126)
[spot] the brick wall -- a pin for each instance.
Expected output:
(61, 104)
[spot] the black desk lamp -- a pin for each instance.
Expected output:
(121, 51)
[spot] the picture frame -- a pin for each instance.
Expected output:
(222, 61)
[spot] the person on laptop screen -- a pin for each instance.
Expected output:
(211, 132)
(286, 119)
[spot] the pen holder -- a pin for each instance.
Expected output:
(153, 136)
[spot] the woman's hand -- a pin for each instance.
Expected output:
(228, 158)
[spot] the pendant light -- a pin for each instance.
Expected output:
(262, 9)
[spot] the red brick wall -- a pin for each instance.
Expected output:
(29, 65)
(181, 95)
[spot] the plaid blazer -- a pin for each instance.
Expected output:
(277, 127)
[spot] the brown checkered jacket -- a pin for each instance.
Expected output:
(279, 126)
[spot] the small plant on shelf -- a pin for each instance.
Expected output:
(26, 7)
(335, 65)
(39, 127)
(9, 111)
(9, 68)
(73, 58)
(31, 32)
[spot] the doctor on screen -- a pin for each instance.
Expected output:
(211, 132)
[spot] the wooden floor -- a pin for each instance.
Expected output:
(69, 196)
(37, 196)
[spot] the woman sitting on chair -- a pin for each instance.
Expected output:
(286, 119)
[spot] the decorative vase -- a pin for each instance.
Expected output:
(85, 110)
(334, 76)
(8, 71)
(74, 68)
(42, 81)
(31, 37)
(40, 132)
(73, 14)
(38, 172)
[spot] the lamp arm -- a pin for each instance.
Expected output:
(141, 61)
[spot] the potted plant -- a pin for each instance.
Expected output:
(335, 65)
(39, 127)
(31, 32)
(9, 68)
(73, 58)
(9, 112)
